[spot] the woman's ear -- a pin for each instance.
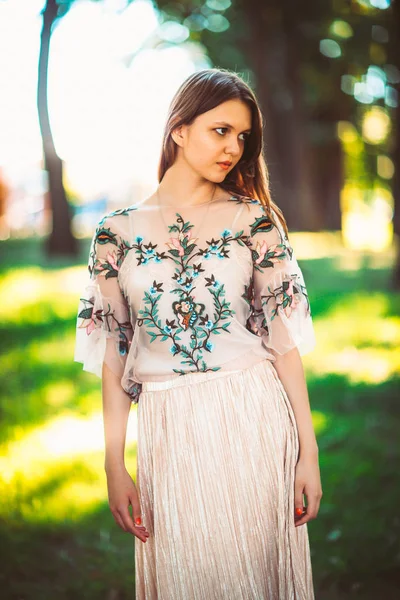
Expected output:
(177, 135)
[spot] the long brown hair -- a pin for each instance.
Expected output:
(202, 91)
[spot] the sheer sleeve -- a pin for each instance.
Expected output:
(104, 328)
(281, 307)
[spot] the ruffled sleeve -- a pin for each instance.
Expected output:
(281, 307)
(104, 328)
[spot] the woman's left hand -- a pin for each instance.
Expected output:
(307, 482)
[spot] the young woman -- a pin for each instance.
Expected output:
(196, 310)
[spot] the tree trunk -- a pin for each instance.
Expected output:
(395, 32)
(273, 53)
(328, 177)
(60, 241)
(396, 195)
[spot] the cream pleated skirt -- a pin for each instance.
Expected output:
(215, 476)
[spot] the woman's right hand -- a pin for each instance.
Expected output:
(122, 492)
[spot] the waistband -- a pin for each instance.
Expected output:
(198, 377)
(187, 379)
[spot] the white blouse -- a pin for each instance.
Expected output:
(172, 291)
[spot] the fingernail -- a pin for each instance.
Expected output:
(299, 511)
(138, 520)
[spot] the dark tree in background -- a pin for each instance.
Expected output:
(395, 54)
(60, 241)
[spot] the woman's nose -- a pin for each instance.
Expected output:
(233, 147)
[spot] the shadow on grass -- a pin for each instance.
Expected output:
(354, 541)
(90, 559)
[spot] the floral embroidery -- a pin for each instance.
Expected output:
(180, 243)
(108, 267)
(189, 314)
(135, 391)
(147, 252)
(287, 296)
(183, 245)
(264, 255)
(106, 320)
(290, 293)
(239, 199)
(262, 224)
(248, 295)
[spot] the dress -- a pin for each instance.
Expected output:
(186, 306)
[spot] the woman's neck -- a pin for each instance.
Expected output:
(179, 188)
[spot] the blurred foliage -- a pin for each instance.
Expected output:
(57, 534)
(312, 65)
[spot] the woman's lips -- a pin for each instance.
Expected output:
(224, 165)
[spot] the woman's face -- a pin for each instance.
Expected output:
(216, 136)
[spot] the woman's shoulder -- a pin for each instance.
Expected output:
(261, 218)
(116, 221)
(242, 199)
(118, 215)
(255, 205)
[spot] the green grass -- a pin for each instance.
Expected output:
(57, 535)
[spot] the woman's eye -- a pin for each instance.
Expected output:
(246, 135)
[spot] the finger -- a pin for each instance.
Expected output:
(312, 506)
(127, 519)
(130, 526)
(302, 521)
(136, 512)
(300, 512)
(138, 520)
(137, 516)
(118, 521)
(307, 516)
(298, 500)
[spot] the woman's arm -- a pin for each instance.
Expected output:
(116, 407)
(290, 371)
(104, 332)
(122, 491)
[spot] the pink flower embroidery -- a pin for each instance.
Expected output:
(289, 292)
(88, 321)
(288, 299)
(261, 250)
(277, 252)
(175, 243)
(111, 258)
(274, 252)
(91, 326)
